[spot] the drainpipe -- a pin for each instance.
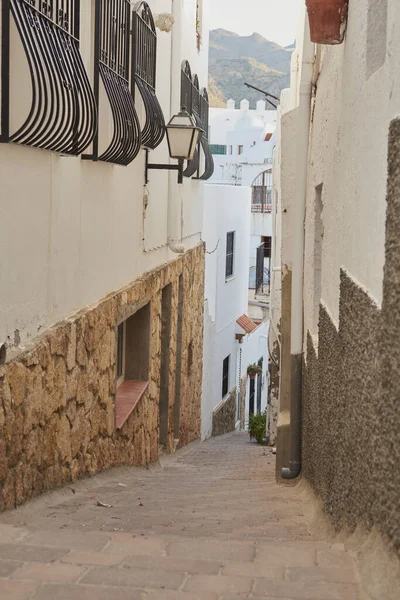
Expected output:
(299, 207)
(175, 191)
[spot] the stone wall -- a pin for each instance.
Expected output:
(273, 412)
(224, 417)
(57, 399)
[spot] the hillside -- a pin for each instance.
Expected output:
(236, 59)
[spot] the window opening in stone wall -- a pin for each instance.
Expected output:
(120, 353)
(240, 150)
(166, 304)
(376, 35)
(230, 254)
(132, 363)
(178, 372)
(318, 238)
(225, 376)
(190, 359)
(230, 150)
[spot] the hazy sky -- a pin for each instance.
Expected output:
(274, 19)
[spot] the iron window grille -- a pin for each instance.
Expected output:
(144, 59)
(111, 67)
(197, 105)
(62, 116)
(225, 376)
(230, 254)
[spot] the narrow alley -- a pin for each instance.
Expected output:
(208, 522)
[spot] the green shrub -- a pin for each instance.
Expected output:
(257, 427)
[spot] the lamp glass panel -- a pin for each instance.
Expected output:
(180, 141)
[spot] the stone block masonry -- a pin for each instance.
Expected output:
(224, 417)
(57, 399)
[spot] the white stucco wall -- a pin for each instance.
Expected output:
(74, 231)
(358, 94)
(254, 347)
(223, 120)
(226, 209)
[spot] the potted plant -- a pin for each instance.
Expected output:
(253, 371)
(328, 19)
(257, 427)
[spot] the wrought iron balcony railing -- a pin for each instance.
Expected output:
(144, 61)
(62, 113)
(111, 68)
(197, 105)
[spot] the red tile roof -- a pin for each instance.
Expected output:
(268, 137)
(246, 324)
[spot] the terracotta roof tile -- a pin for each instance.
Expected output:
(246, 324)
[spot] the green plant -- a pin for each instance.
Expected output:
(258, 426)
(253, 370)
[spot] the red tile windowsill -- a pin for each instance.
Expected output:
(128, 395)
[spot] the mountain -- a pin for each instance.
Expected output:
(235, 60)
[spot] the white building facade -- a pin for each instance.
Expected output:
(229, 347)
(101, 304)
(242, 141)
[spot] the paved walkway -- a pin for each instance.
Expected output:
(208, 523)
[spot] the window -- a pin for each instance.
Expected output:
(190, 359)
(225, 376)
(240, 150)
(218, 149)
(120, 354)
(132, 363)
(230, 150)
(230, 252)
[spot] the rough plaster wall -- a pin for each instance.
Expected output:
(57, 398)
(351, 418)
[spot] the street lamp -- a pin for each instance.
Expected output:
(183, 135)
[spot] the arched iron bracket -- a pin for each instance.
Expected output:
(111, 66)
(144, 63)
(62, 116)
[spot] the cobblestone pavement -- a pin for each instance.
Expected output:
(206, 523)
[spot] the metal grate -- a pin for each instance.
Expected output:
(62, 116)
(111, 66)
(262, 193)
(230, 254)
(260, 270)
(197, 104)
(144, 58)
(225, 376)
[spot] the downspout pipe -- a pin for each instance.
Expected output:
(299, 208)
